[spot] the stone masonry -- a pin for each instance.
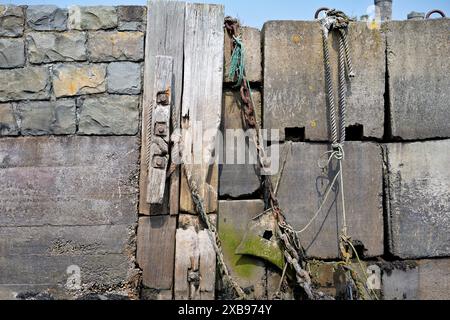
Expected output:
(71, 90)
(70, 96)
(75, 71)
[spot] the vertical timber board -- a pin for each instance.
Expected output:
(156, 251)
(194, 255)
(186, 260)
(160, 127)
(202, 100)
(165, 36)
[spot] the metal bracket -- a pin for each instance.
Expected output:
(160, 126)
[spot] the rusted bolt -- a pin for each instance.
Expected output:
(316, 15)
(163, 98)
(160, 129)
(159, 162)
(435, 11)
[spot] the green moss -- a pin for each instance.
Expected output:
(243, 266)
(256, 246)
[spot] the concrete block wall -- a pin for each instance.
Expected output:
(70, 95)
(396, 165)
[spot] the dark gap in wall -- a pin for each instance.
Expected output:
(268, 234)
(254, 85)
(387, 135)
(360, 248)
(257, 195)
(354, 132)
(387, 255)
(294, 134)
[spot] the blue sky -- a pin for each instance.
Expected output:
(255, 12)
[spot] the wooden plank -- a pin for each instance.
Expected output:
(207, 266)
(194, 255)
(186, 260)
(156, 251)
(165, 36)
(160, 127)
(202, 99)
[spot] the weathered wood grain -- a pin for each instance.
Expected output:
(165, 36)
(156, 251)
(195, 255)
(202, 99)
(186, 250)
(160, 128)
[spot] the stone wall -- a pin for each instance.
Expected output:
(396, 162)
(70, 105)
(70, 95)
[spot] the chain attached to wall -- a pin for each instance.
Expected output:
(292, 250)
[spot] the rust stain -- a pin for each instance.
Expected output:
(296, 38)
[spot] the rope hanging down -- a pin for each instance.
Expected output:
(289, 238)
(337, 21)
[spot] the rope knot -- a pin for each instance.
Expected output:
(338, 151)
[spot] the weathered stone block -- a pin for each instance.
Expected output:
(46, 18)
(23, 274)
(112, 46)
(109, 115)
(11, 21)
(294, 81)
(124, 78)
(418, 280)
(12, 53)
(251, 39)
(419, 189)
(237, 179)
(434, 279)
(400, 280)
(25, 83)
(303, 186)
(62, 181)
(64, 240)
(8, 120)
(92, 18)
(72, 80)
(47, 117)
(132, 18)
(44, 47)
(250, 273)
(419, 78)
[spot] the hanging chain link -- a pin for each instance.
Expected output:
(292, 250)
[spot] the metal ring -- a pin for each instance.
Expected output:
(435, 11)
(316, 15)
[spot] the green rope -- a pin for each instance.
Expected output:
(237, 68)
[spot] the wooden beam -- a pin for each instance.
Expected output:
(202, 100)
(159, 126)
(195, 258)
(165, 36)
(156, 251)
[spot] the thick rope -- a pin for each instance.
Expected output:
(336, 20)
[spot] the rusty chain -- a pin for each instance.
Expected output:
(292, 250)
